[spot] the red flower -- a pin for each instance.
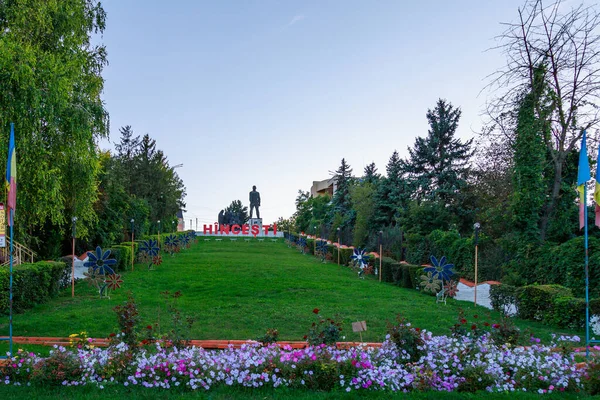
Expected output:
(149, 327)
(486, 323)
(463, 321)
(112, 334)
(475, 316)
(496, 326)
(316, 310)
(473, 327)
(305, 337)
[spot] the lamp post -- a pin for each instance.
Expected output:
(380, 254)
(315, 250)
(339, 244)
(158, 233)
(173, 226)
(74, 233)
(477, 226)
(132, 241)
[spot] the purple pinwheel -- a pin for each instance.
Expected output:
(439, 269)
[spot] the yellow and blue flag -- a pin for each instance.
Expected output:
(583, 176)
(11, 176)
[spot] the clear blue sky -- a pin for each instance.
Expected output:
(275, 93)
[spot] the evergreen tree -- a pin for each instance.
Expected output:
(439, 164)
(371, 174)
(392, 193)
(343, 181)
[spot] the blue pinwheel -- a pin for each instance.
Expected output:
(302, 244)
(184, 240)
(150, 247)
(99, 262)
(171, 243)
(99, 269)
(149, 250)
(440, 269)
(322, 249)
(360, 257)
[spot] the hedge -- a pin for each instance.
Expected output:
(503, 297)
(32, 284)
(535, 302)
(123, 256)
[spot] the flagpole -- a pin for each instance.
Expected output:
(587, 275)
(10, 290)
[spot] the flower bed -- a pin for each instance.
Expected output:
(445, 364)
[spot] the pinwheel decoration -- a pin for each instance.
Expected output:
(440, 269)
(148, 250)
(114, 281)
(184, 240)
(360, 260)
(192, 236)
(291, 240)
(98, 269)
(171, 243)
(430, 283)
(322, 249)
(451, 288)
(302, 244)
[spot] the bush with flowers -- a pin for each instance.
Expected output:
(324, 330)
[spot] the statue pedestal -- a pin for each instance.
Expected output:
(255, 221)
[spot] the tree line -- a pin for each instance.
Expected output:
(517, 179)
(50, 87)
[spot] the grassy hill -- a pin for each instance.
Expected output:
(239, 289)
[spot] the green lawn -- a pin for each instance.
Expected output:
(239, 289)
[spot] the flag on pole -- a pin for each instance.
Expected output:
(583, 175)
(11, 176)
(597, 189)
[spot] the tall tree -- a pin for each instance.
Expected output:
(530, 161)
(238, 211)
(567, 41)
(371, 174)
(392, 193)
(439, 164)
(343, 181)
(50, 87)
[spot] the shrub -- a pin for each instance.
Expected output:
(415, 272)
(128, 319)
(324, 331)
(269, 337)
(345, 254)
(123, 256)
(505, 332)
(569, 312)
(136, 246)
(535, 302)
(406, 338)
(60, 366)
(32, 284)
(503, 297)
(389, 269)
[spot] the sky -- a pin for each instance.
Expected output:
(276, 93)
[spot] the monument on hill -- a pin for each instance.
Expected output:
(255, 204)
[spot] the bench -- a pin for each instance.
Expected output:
(261, 240)
(246, 240)
(218, 240)
(233, 240)
(207, 240)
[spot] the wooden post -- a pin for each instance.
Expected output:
(74, 220)
(476, 226)
(73, 271)
(380, 254)
(132, 241)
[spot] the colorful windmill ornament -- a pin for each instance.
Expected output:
(437, 279)
(148, 251)
(99, 269)
(302, 244)
(171, 244)
(184, 240)
(360, 260)
(322, 249)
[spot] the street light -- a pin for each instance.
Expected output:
(381, 254)
(158, 233)
(339, 244)
(315, 250)
(74, 220)
(476, 226)
(132, 241)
